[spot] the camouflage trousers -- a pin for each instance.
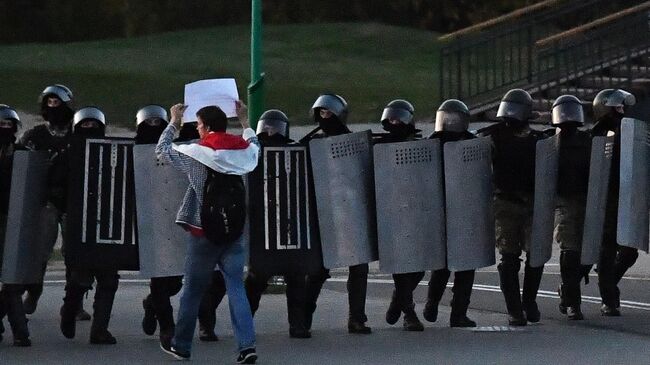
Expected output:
(569, 222)
(513, 213)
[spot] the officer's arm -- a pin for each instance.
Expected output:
(25, 142)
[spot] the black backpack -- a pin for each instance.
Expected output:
(223, 213)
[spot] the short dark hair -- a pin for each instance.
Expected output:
(213, 117)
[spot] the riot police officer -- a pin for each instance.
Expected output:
(609, 108)
(397, 119)
(573, 181)
(330, 111)
(90, 122)
(53, 136)
(273, 131)
(10, 294)
(514, 175)
(452, 122)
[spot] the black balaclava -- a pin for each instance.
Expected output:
(188, 132)
(59, 116)
(331, 126)
(276, 139)
(8, 135)
(400, 130)
(147, 134)
(96, 132)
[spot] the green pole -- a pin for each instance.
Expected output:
(256, 87)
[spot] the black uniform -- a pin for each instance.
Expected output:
(80, 281)
(614, 259)
(463, 280)
(357, 284)
(405, 283)
(256, 282)
(573, 181)
(514, 175)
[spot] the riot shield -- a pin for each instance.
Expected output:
(546, 173)
(159, 190)
(284, 238)
(470, 216)
(22, 261)
(343, 181)
(410, 206)
(100, 227)
(600, 163)
(632, 225)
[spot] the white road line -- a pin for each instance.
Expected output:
(496, 289)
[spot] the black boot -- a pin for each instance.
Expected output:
(509, 282)
(437, 285)
(313, 285)
(357, 326)
(463, 282)
(207, 310)
(149, 322)
(571, 273)
(71, 304)
(296, 306)
(394, 309)
(532, 279)
(103, 306)
(16, 315)
(357, 286)
(411, 320)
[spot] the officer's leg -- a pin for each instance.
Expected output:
(405, 287)
(313, 285)
(571, 272)
(149, 321)
(625, 259)
(357, 286)
(80, 282)
(437, 285)
(255, 284)
(532, 280)
(51, 219)
(607, 277)
(296, 305)
(209, 303)
(463, 282)
(510, 239)
(11, 296)
(3, 312)
(570, 216)
(107, 282)
(162, 289)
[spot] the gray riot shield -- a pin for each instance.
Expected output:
(159, 190)
(600, 163)
(546, 173)
(284, 239)
(23, 249)
(410, 206)
(632, 225)
(343, 182)
(470, 216)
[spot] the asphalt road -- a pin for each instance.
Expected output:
(596, 340)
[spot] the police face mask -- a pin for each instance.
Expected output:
(93, 132)
(7, 136)
(275, 139)
(331, 126)
(148, 134)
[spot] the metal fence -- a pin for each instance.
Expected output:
(480, 68)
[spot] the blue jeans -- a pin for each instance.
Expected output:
(202, 256)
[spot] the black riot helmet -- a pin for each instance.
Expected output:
(567, 111)
(273, 121)
(517, 104)
(60, 91)
(151, 121)
(8, 113)
(452, 116)
(397, 109)
(151, 112)
(332, 102)
(611, 101)
(89, 113)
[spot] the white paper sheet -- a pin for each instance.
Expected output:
(220, 92)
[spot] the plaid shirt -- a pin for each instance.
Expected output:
(189, 214)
